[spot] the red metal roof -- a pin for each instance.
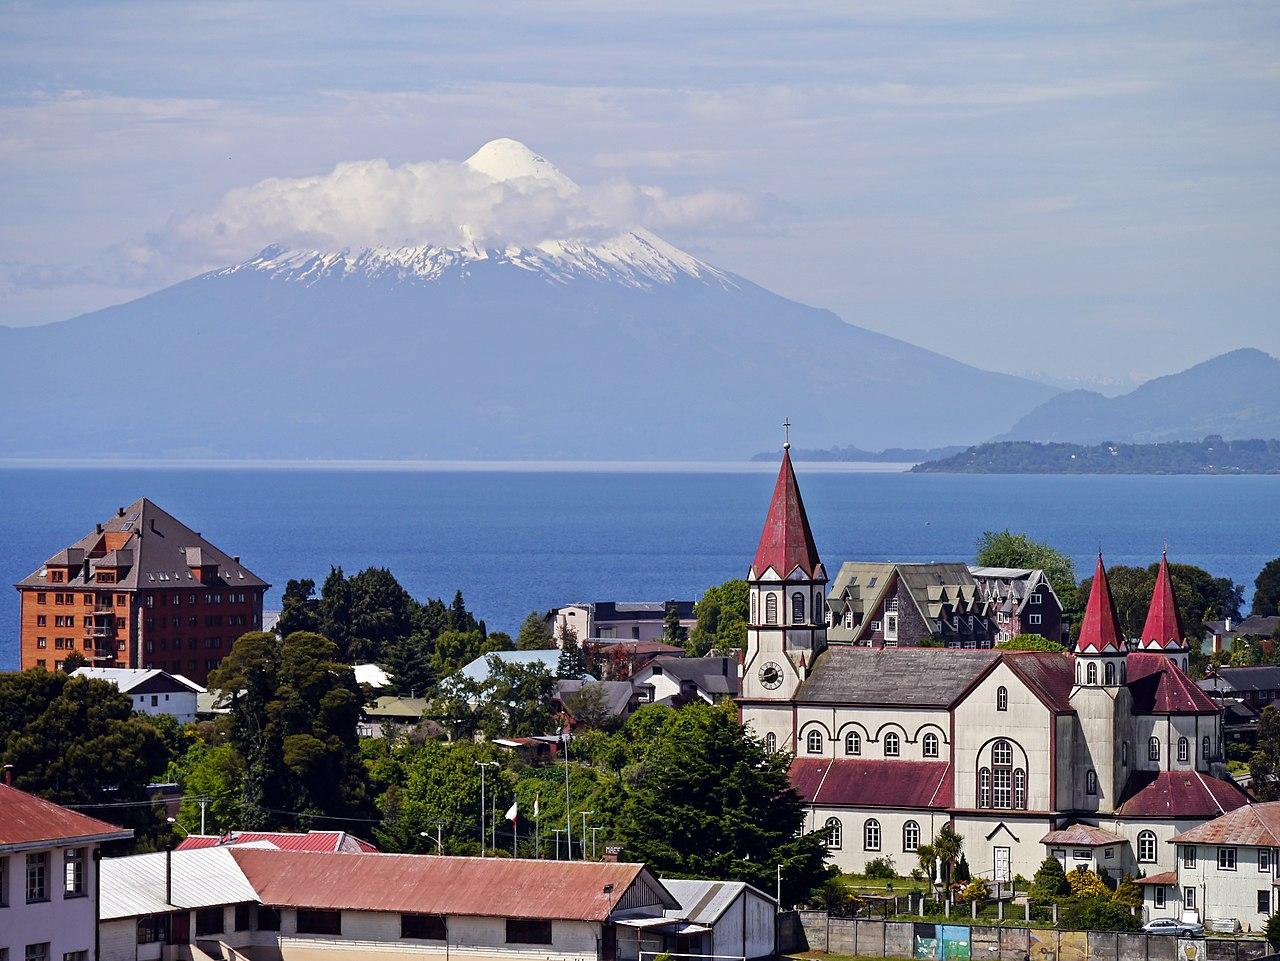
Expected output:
(26, 819)
(1163, 628)
(1175, 794)
(872, 783)
(1082, 836)
(425, 884)
(1159, 686)
(1256, 825)
(786, 541)
(330, 841)
(1164, 878)
(1100, 630)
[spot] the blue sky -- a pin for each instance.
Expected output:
(1084, 190)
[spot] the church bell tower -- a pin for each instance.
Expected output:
(787, 626)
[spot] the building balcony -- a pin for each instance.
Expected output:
(101, 630)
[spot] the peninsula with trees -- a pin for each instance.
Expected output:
(1212, 455)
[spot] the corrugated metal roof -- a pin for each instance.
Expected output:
(786, 543)
(703, 902)
(26, 820)
(129, 678)
(134, 886)
(1164, 878)
(1178, 794)
(1159, 686)
(478, 887)
(873, 783)
(1083, 836)
(330, 841)
(1253, 824)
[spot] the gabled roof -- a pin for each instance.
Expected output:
(1256, 825)
(873, 783)
(1082, 836)
(1178, 794)
(615, 696)
(705, 902)
(1100, 631)
(325, 841)
(1163, 628)
(1049, 674)
(786, 543)
(156, 545)
(426, 884)
(1159, 686)
(131, 680)
(907, 676)
(1261, 677)
(27, 821)
(135, 886)
(715, 674)
(479, 669)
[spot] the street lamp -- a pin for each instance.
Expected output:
(439, 841)
(179, 827)
(482, 765)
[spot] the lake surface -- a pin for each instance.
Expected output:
(518, 540)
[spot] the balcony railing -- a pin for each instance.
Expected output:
(101, 630)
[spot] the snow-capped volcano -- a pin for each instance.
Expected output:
(585, 338)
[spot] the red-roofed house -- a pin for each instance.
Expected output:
(1021, 752)
(323, 841)
(48, 877)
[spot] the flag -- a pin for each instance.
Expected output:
(511, 811)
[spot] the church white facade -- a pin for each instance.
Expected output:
(1097, 757)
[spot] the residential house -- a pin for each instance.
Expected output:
(741, 919)
(1218, 635)
(617, 620)
(389, 715)
(1021, 601)
(142, 590)
(1007, 747)
(1224, 869)
(260, 903)
(617, 698)
(1256, 687)
(324, 841)
(151, 690)
(679, 680)
(48, 878)
(619, 660)
(906, 605)
(480, 670)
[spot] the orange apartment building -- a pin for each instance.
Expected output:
(141, 590)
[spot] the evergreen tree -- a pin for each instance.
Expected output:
(1266, 590)
(962, 870)
(299, 610)
(572, 663)
(1264, 763)
(1049, 883)
(721, 619)
(73, 662)
(1007, 549)
(533, 634)
(673, 632)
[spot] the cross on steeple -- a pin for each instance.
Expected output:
(786, 433)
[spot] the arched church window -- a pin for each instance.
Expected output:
(813, 743)
(1122, 672)
(1206, 748)
(835, 833)
(1090, 782)
(1002, 699)
(853, 743)
(1146, 847)
(930, 745)
(797, 608)
(911, 837)
(892, 745)
(871, 835)
(1091, 673)
(984, 788)
(1002, 752)
(771, 743)
(1153, 749)
(771, 608)
(1184, 750)
(1109, 673)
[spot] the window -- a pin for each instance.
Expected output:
(1109, 673)
(209, 920)
(1090, 782)
(38, 952)
(75, 956)
(891, 627)
(797, 608)
(1146, 847)
(871, 835)
(315, 921)
(1081, 854)
(853, 743)
(1160, 895)
(1033, 619)
(1189, 856)
(848, 619)
(813, 742)
(1184, 750)
(268, 919)
(1264, 902)
(1226, 859)
(37, 877)
(1153, 749)
(244, 912)
(73, 871)
(1264, 860)
(929, 748)
(1002, 699)
(771, 608)
(1001, 787)
(835, 834)
(524, 931)
(892, 745)
(4, 881)
(1206, 748)
(1001, 752)
(1189, 898)
(1091, 673)
(1020, 789)
(1124, 752)
(771, 743)
(984, 788)
(910, 837)
(423, 926)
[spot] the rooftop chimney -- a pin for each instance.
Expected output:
(119, 512)
(98, 528)
(8, 774)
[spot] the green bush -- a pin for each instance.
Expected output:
(881, 868)
(1273, 931)
(1096, 913)
(1049, 883)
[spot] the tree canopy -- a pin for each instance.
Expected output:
(1266, 590)
(721, 619)
(1007, 549)
(1200, 596)
(1031, 642)
(533, 634)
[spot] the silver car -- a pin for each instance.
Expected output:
(1173, 926)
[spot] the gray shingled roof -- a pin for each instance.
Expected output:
(906, 676)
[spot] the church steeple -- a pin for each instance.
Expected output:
(786, 543)
(1163, 630)
(1100, 632)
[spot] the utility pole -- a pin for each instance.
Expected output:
(203, 801)
(568, 811)
(482, 765)
(584, 832)
(593, 841)
(557, 832)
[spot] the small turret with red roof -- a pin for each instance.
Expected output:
(1101, 647)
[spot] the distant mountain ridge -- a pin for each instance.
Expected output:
(625, 348)
(1235, 395)
(850, 454)
(1212, 455)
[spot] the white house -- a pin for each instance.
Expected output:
(741, 919)
(152, 690)
(618, 620)
(665, 680)
(1010, 748)
(48, 878)
(1225, 869)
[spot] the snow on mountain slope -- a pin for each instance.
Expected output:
(504, 159)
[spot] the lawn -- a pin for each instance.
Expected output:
(860, 884)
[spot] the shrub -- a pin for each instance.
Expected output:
(881, 867)
(975, 890)
(962, 870)
(1094, 913)
(1085, 884)
(1128, 893)
(1273, 931)
(1049, 883)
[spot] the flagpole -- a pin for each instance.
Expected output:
(537, 828)
(515, 834)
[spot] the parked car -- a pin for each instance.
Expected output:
(1173, 926)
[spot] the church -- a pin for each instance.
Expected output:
(1096, 757)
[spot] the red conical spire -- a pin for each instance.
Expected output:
(1100, 631)
(1163, 629)
(786, 542)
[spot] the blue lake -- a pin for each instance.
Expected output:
(514, 541)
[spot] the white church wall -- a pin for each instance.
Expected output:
(1026, 723)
